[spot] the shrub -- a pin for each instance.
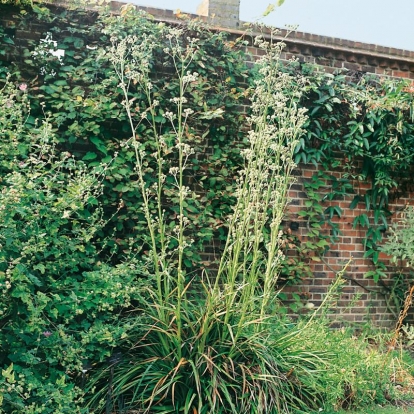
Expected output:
(399, 247)
(60, 305)
(358, 373)
(399, 244)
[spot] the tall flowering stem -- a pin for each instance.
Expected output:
(249, 267)
(123, 55)
(132, 59)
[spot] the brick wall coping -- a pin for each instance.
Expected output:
(299, 38)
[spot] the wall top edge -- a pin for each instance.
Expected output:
(301, 38)
(298, 37)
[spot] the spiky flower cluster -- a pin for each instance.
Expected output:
(253, 249)
(132, 59)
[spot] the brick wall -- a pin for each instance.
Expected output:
(361, 299)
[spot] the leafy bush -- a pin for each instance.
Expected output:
(400, 243)
(60, 306)
(358, 373)
(361, 367)
(399, 247)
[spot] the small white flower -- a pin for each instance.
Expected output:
(66, 214)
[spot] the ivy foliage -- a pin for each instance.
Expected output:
(362, 128)
(369, 119)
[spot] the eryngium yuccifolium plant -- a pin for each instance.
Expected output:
(250, 262)
(132, 60)
(214, 346)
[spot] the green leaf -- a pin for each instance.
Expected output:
(270, 8)
(78, 43)
(89, 156)
(41, 268)
(60, 82)
(9, 374)
(99, 144)
(8, 40)
(355, 202)
(367, 201)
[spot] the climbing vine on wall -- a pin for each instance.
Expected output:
(67, 75)
(363, 127)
